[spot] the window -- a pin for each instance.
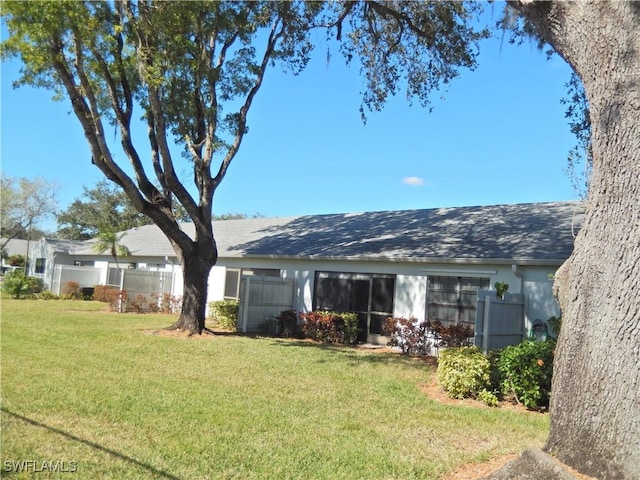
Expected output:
(368, 295)
(232, 283)
(40, 264)
(233, 276)
(452, 300)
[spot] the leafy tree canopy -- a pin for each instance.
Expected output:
(191, 70)
(105, 207)
(25, 204)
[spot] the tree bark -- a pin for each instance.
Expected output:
(195, 270)
(595, 403)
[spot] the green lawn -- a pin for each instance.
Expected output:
(83, 385)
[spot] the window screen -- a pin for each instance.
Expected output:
(452, 300)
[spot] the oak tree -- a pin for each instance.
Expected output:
(192, 71)
(595, 403)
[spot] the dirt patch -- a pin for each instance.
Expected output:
(434, 392)
(477, 471)
(177, 334)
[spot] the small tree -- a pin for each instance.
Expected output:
(109, 240)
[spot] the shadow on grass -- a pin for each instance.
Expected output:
(357, 354)
(114, 453)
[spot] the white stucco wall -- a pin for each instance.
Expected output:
(410, 298)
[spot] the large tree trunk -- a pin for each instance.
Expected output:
(195, 270)
(595, 403)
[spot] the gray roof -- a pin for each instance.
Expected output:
(532, 232)
(16, 246)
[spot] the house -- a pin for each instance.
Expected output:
(13, 247)
(427, 264)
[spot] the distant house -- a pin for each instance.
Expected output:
(426, 264)
(14, 246)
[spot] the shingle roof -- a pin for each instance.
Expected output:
(541, 232)
(15, 246)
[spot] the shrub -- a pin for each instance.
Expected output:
(118, 301)
(47, 295)
(225, 313)
(464, 372)
(525, 372)
(72, 291)
(415, 337)
(138, 303)
(410, 335)
(36, 284)
(288, 322)
(331, 327)
(16, 284)
(458, 335)
(165, 303)
(104, 293)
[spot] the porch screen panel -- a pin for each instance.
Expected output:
(368, 295)
(382, 290)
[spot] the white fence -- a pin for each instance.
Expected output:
(142, 286)
(86, 277)
(262, 298)
(145, 287)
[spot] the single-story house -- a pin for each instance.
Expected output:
(427, 264)
(12, 247)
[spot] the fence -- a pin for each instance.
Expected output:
(499, 322)
(262, 298)
(142, 286)
(86, 277)
(145, 287)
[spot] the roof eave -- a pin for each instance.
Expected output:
(428, 260)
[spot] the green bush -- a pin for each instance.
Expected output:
(464, 372)
(48, 295)
(224, 313)
(36, 284)
(16, 284)
(331, 327)
(525, 372)
(488, 397)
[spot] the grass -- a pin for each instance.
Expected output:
(83, 385)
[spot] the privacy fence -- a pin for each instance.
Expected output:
(499, 321)
(141, 285)
(262, 299)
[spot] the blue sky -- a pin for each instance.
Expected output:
(497, 135)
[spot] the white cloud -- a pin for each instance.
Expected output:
(413, 181)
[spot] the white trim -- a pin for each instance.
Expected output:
(459, 271)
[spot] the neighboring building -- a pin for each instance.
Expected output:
(14, 246)
(426, 264)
